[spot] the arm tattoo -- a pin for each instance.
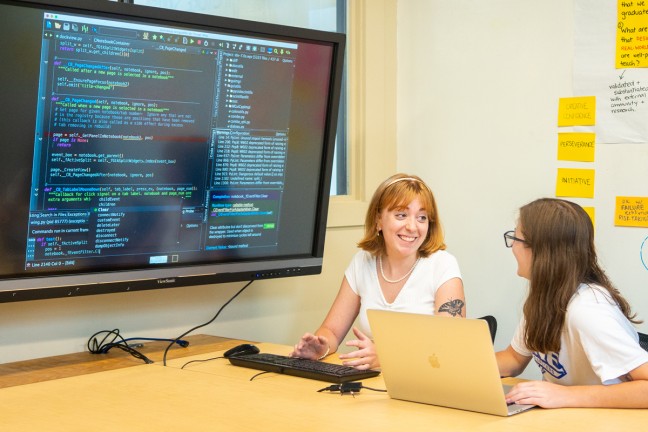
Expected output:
(453, 307)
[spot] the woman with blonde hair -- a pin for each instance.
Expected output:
(402, 266)
(576, 325)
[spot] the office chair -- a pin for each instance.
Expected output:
(492, 326)
(643, 341)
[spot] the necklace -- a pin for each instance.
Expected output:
(382, 272)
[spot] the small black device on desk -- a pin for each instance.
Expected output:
(243, 349)
(303, 368)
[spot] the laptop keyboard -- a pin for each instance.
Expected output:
(311, 369)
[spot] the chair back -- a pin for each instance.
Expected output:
(643, 341)
(492, 326)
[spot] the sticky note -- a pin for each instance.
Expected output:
(576, 146)
(591, 213)
(631, 34)
(574, 182)
(577, 111)
(631, 212)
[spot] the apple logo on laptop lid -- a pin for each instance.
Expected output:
(434, 361)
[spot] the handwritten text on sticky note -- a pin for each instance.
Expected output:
(574, 182)
(631, 212)
(574, 146)
(632, 34)
(577, 111)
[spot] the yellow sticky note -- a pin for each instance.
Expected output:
(577, 111)
(573, 182)
(631, 34)
(576, 146)
(631, 212)
(591, 213)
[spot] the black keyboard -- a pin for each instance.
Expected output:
(303, 368)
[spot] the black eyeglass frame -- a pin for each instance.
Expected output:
(509, 238)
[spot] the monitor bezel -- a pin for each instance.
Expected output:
(92, 283)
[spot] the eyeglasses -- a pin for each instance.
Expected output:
(509, 238)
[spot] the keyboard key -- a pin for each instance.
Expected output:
(311, 369)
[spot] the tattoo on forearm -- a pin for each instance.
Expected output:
(453, 307)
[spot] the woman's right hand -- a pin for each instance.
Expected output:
(311, 347)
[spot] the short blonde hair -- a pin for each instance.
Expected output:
(397, 192)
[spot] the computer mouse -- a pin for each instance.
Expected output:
(241, 350)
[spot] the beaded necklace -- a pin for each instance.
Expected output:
(382, 272)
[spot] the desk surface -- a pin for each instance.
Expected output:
(69, 365)
(215, 395)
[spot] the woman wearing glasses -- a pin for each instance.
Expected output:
(576, 326)
(402, 266)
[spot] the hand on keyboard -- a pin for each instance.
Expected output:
(311, 347)
(304, 368)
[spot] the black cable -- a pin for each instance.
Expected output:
(201, 361)
(348, 388)
(181, 342)
(112, 339)
(205, 324)
(375, 389)
(131, 351)
(259, 374)
(95, 347)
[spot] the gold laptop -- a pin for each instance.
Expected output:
(441, 361)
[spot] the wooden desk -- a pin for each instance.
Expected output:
(218, 396)
(63, 366)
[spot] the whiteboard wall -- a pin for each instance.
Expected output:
(478, 89)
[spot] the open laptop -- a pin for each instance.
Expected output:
(441, 361)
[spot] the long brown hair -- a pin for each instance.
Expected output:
(394, 193)
(561, 237)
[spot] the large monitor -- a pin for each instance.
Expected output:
(145, 148)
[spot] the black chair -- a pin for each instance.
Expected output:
(643, 341)
(492, 326)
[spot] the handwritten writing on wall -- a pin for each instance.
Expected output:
(631, 212)
(576, 146)
(577, 111)
(574, 182)
(632, 34)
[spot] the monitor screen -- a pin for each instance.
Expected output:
(147, 148)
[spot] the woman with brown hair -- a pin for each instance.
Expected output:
(402, 266)
(576, 326)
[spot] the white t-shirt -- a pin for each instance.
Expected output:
(416, 296)
(598, 344)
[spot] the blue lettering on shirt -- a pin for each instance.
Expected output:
(550, 364)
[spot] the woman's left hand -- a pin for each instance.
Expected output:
(365, 356)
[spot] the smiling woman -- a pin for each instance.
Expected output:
(402, 266)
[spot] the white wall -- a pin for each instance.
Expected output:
(478, 88)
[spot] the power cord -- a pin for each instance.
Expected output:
(181, 342)
(203, 325)
(348, 388)
(201, 361)
(112, 339)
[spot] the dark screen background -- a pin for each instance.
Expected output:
(20, 42)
